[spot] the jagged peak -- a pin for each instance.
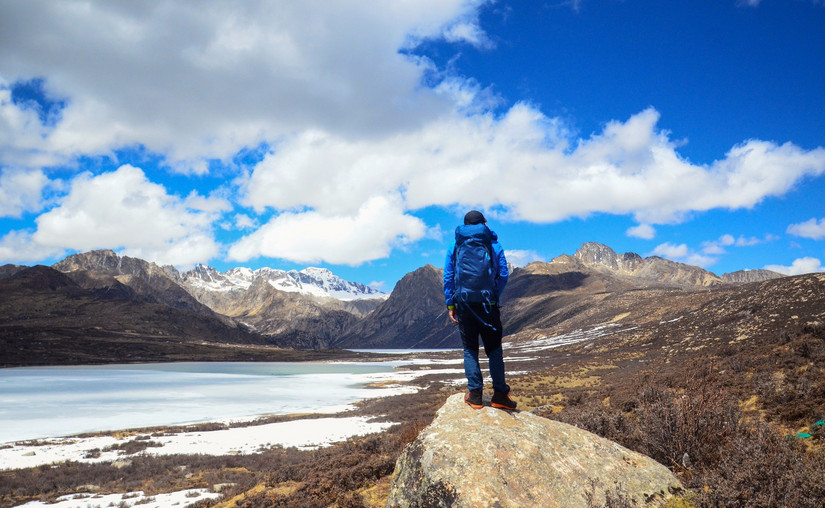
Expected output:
(312, 281)
(107, 261)
(312, 270)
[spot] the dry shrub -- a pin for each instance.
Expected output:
(597, 418)
(761, 468)
(410, 430)
(694, 426)
(689, 425)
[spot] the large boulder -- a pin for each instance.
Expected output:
(493, 457)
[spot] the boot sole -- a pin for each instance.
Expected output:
(474, 406)
(502, 406)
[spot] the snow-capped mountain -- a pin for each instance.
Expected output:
(315, 282)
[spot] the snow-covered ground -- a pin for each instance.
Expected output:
(308, 433)
(564, 339)
(39, 403)
(32, 441)
(91, 500)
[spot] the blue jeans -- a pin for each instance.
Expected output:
(474, 321)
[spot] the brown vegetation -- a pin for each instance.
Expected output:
(724, 419)
(692, 418)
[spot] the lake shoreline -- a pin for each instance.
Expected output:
(155, 351)
(382, 381)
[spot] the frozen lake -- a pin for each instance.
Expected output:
(40, 402)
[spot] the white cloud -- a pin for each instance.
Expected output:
(700, 260)
(713, 248)
(522, 257)
(669, 250)
(645, 231)
(799, 266)
(470, 33)
(748, 242)
(813, 228)
(312, 237)
(684, 254)
(523, 163)
(243, 221)
(328, 88)
(223, 76)
(378, 285)
(123, 209)
(17, 247)
(21, 191)
(21, 133)
(717, 247)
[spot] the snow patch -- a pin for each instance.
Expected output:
(304, 434)
(139, 498)
(315, 282)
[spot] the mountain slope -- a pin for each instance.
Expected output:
(414, 316)
(593, 287)
(312, 308)
(46, 317)
(651, 269)
(318, 283)
(96, 269)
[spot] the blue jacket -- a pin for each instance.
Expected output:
(500, 267)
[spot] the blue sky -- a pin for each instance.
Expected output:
(355, 135)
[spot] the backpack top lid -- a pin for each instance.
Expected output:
(473, 231)
(475, 274)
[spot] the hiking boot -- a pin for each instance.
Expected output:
(502, 400)
(473, 398)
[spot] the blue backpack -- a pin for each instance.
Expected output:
(475, 270)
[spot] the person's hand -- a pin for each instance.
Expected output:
(451, 313)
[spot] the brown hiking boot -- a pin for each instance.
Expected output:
(473, 398)
(502, 400)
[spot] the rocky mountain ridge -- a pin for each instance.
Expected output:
(311, 308)
(300, 309)
(656, 269)
(315, 282)
(102, 268)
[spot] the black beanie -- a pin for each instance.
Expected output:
(474, 217)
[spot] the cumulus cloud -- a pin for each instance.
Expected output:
(21, 191)
(684, 254)
(799, 266)
(312, 237)
(337, 97)
(813, 228)
(525, 164)
(709, 252)
(22, 133)
(644, 231)
(224, 76)
(123, 209)
(669, 250)
(17, 247)
(717, 246)
(522, 257)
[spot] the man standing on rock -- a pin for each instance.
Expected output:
(475, 274)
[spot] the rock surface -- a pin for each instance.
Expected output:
(492, 457)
